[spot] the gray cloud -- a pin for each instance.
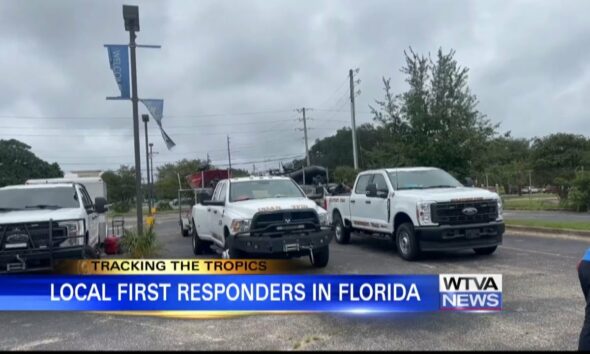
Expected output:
(528, 66)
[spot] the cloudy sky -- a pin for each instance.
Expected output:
(243, 67)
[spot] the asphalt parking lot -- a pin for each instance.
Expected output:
(543, 308)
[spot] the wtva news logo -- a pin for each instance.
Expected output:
(470, 292)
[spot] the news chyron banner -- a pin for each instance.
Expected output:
(240, 286)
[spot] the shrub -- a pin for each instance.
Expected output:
(121, 207)
(579, 194)
(163, 205)
(138, 245)
(345, 174)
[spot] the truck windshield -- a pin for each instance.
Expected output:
(261, 189)
(423, 179)
(38, 198)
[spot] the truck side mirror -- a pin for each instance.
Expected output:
(100, 205)
(468, 182)
(371, 190)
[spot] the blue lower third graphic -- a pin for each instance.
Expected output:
(297, 293)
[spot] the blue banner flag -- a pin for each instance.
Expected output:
(119, 62)
(156, 109)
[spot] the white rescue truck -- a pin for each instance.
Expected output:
(421, 209)
(41, 223)
(261, 216)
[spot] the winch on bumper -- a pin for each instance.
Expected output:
(458, 237)
(292, 232)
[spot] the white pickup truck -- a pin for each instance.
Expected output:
(422, 209)
(261, 216)
(41, 223)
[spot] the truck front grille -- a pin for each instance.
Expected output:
(462, 212)
(276, 223)
(34, 235)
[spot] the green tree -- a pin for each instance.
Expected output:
(507, 162)
(121, 184)
(345, 175)
(166, 186)
(559, 156)
(18, 164)
(437, 116)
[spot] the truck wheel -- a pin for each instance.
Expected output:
(198, 244)
(91, 253)
(321, 256)
(341, 233)
(405, 240)
(184, 231)
(485, 250)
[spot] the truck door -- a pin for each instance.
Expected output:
(378, 205)
(359, 212)
(216, 214)
(92, 219)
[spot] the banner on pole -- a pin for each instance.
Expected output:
(119, 62)
(156, 108)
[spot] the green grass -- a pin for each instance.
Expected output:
(534, 202)
(552, 224)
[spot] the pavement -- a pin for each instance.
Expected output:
(543, 308)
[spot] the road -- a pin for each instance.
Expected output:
(543, 309)
(545, 215)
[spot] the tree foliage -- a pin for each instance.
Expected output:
(18, 164)
(435, 122)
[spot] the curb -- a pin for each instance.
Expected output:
(547, 231)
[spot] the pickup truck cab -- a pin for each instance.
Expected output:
(41, 223)
(261, 216)
(422, 209)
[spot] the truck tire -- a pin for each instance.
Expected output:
(406, 243)
(341, 232)
(485, 250)
(321, 256)
(184, 231)
(198, 244)
(91, 253)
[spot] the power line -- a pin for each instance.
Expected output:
(265, 121)
(166, 116)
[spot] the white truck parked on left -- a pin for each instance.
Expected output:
(42, 223)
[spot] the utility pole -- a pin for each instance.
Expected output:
(352, 117)
(131, 18)
(487, 184)
(305, 136)
(229, 156)
(146, 119)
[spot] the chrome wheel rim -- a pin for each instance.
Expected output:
(404, 242)
(338, 232)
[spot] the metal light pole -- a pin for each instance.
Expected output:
(146, 119)
(131, 18)
(151, 171)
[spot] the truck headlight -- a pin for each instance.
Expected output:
(424, 214)
(75, 230)
(500, 209)
(323, 219)
(240, 225)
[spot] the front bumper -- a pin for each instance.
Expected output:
(460, 237)
(33, 260)
(286, 244)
